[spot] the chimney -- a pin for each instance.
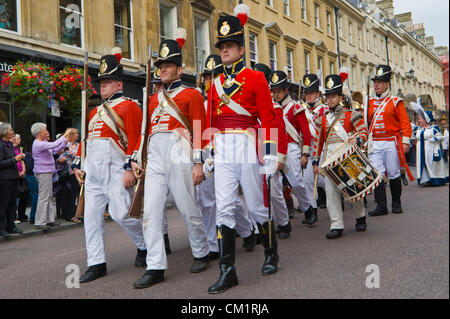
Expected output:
(419, 29)
(388, 7)
(406, 20)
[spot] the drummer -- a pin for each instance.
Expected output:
(344, 124)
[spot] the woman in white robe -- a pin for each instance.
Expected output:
(431, 167)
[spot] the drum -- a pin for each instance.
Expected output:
(351, 171)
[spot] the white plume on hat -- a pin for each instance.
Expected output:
(242, 11)
(180, 36)
(418, 108)
(117, 52)
(319, 77)
(343, 73)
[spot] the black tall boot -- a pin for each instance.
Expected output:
(270, 248)
(380, 199)
(321, 198)
(290, 206)
(396, 192)
(227, 249)
(310, 216)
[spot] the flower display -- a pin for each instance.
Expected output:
(31, 84)
(35, 85)
(67, 87)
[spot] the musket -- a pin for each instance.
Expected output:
(269, 178)
(84, 132)
(210, 107)
(135, 210)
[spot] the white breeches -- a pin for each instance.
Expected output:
(170, 170)
(333, 195)
(302, 185)
(236, 163)
(384, 157)
(207, 203)
(104, 187)
(280, 211)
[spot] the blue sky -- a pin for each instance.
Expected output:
(432, 13)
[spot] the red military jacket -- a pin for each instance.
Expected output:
(131, 116)
(282, 140)
(388, 120)
(295, 114)
(191, 104)
(392, 121)
(351, 121)
(250, 91)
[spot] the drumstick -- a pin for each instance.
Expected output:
(346, 142)
(315, 185)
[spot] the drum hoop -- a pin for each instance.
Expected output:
(340, 159)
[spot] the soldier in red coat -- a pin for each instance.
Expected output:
(280, 210)
(389, 139)
(346, 123)
(113, 135)
(241, 97)
(176, 120)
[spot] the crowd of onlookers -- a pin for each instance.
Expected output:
(39, 175)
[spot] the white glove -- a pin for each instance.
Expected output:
(270, 164)
(208, 166)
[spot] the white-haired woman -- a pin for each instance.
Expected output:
(9, 176)
(44, 167)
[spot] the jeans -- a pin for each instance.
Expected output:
(33, 187)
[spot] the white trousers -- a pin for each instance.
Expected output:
(333, 195)
(207, 203)
(384, 157)
(280, 211)
(104, 187)
(302, 186)
(236, 163)
(170, 170)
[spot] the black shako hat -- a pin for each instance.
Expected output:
(110, 67)
(383, 73)
(311, 83)
(278, 79)
(213, 64)
(169, 52)
(229, 28)
(333, 84)
(261, 67)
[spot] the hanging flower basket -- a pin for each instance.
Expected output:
(67, 87)
(31, 85)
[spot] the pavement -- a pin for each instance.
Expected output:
(29, 230)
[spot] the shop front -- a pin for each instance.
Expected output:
(58, 120)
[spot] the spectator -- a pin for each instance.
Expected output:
(32, 184)
(445, 140)
(22, 191)
(431, 168)
(44, 167)
(9, 176)
(70, 187)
